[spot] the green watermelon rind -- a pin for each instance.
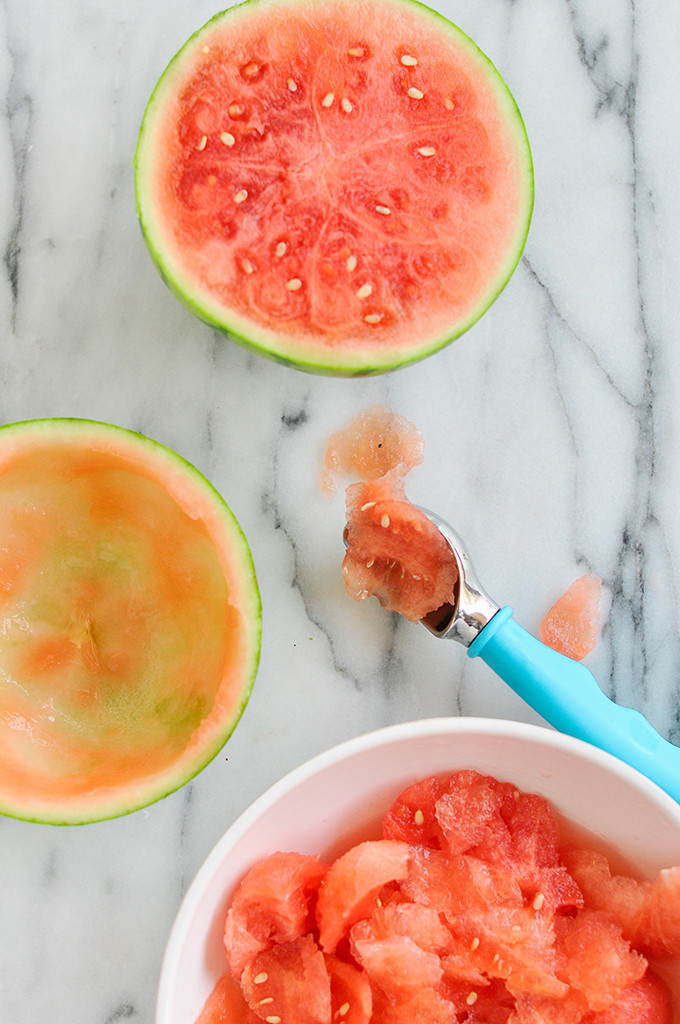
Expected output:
(159, 786)
(315, 359)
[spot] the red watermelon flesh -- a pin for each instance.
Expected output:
(289, 982)
(394, 551)
(372, 444)
(572, 625)
(272, 904)
(351, 993)
(343, 187)
(482, 921)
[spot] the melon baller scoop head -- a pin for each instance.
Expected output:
(560, 689)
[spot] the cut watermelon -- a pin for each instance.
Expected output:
(572, 625)
(351, 887)
(272, 904)
(131, 621)
(372, 444)
(442, 923)
(343, 187)
(394, 551)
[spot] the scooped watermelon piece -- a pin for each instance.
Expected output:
(372, 444)
(647, 1001)
(226, 1004)
(572, 625)
(343, 187)
(351, 887)
(272, 904)
(648, 912)
(394, 551)
(131, 620)
(289, 982)
(422, 1006)
(351, 993)
(412, 816)
(599, 962)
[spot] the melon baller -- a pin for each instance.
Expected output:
(560, 689)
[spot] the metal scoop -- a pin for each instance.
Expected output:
(560, 689)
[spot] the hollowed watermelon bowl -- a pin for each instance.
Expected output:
(338, 799)
(343, 187)
(130, 619)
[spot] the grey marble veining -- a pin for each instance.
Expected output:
(551, 430)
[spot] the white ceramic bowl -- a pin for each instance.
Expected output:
(339, 797)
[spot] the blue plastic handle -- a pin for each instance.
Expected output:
(567, 696)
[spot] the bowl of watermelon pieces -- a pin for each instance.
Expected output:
(438, 872)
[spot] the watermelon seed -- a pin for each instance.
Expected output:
(227, 138)
(252, 70)
(356, 51)
(236, 110)
(343, 1010)
(373, 318)
(385, 210)
(427, 151)
(419, 817)
(369, 504)
(474, 944)
(351, 263)
(449, 104)
(472, 998)
(247, 266)
(241, 195)
(201, 144)
(267, 999)
(408, 61)
(292, 85)
(364, 291)
(539, 900)
(294, 285)
(327, 101)
(280, 249)
(414, 93)
(206, 49)
(273, 1019)
(260, 978)
(370, 563)
(385, 521)
(346, 105)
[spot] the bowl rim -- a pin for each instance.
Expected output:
(380, 737)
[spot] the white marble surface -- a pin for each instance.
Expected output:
(552, 430)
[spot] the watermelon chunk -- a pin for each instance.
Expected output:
(343, 187)
(351, 993)
(351, 887)
(272, 904)
(394, 551)
(648, 912)
(226, 1004)
(647, 1001)
(572, 625)
(289, 982)
(370, 446)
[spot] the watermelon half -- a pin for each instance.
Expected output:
(345, 187)
(130, 621)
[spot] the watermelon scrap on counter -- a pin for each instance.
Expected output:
(572, 625)
(471, 907)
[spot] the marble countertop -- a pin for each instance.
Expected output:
(551, 429)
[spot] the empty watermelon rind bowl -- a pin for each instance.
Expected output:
(339, 797)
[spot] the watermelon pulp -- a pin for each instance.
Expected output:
(131, 621)
(465, 910)
(344, 187)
